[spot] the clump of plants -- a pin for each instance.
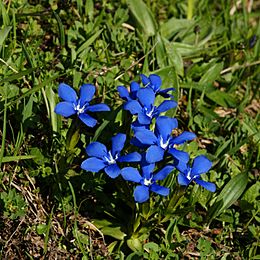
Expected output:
(147, 154)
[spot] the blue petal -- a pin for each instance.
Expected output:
(207, 185)
(133, 107)
(65, 109)
(156, 81)
(183, 137)
(141, 193)
(131, 157)
(160, 189)
(123, 92)
(144, 119)
(137, 126)
(166, 105)
(67, 93)
(164, 92)
(93, 164)
(145, 136)
(118, 142)
(131, 174)
(145, 80)
(165, 125)
(112, 170)
(88, 120)
(201, 164)
(182, 167)
(154, 154)
(163, 173)
(96, 149)
(146, 97)
(134, 87)
(134, 141)
(98, 107)
(182, 180)
(87, 92)
(147, 169)
(179, 155)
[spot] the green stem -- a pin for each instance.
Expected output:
(73, 135)
(4, 130)
(190, 9)
(174, 202)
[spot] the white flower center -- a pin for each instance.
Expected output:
(162, 144)
(188, 175)
(110, 158)
(148, 182)
(149, 113)
(80, 109)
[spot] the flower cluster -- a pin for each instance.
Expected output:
(153, 138)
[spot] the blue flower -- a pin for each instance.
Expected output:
(201, 164)
(101, 158)
(124, 94)
(74, 105)
(162, 140)
(144, 108)
(154, 82)
(147, 181)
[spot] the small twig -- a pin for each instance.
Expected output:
(10, 238)
(9, 66)
(14, 70)
(245, 65)
(130, 67)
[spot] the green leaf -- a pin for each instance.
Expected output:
(61, 29)
(143, 16)
(229, 194)
(17, 75)
(186, 50)
(17, 158)
(174, 25)
(151, 246)
(41, 229)
(52, 101)
(86, 44)
(212, 73)
(134, 244)
(3, 34)
(27, 111)
(89, 9)
(161, 54)
(113, 232)
(175, 59)
(252, 193)
(222, 98)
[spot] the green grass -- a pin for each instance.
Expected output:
(207, 50)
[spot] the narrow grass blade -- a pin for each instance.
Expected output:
(7, 159)
(61, 29)
(89, 42)
(35, 89)
(4, 134)
(17, 75)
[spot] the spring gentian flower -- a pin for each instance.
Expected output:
(154, 82)
(162, 141)
(80, 106)
(124, 94)
(101, 158)
(201, 164)
(144, 108)
(147, 180)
